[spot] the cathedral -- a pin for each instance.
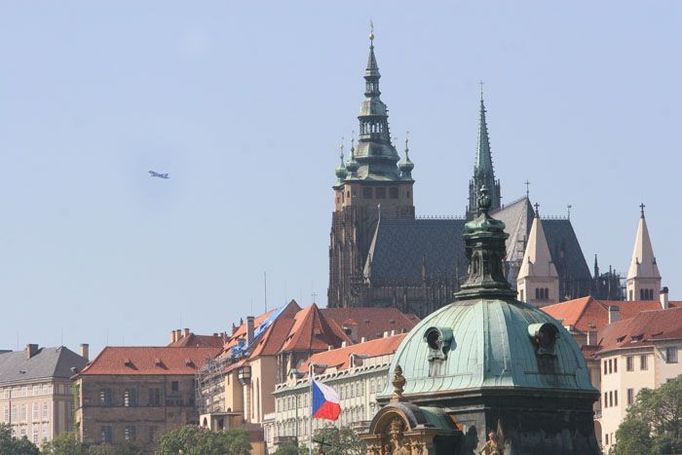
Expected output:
(381, 254)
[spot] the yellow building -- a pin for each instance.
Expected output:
(636, 353)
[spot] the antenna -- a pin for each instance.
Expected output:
(265, 290)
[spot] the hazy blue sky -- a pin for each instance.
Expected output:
(244, 104)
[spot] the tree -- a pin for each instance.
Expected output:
(335, 441)
(653, 424)
(11, 445)
(64, 444)
(287, 449)
(200, 441)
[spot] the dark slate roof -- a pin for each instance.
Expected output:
(565, 250)
(401, 246)
(45, 363)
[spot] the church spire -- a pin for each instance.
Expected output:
(643, 279)
(375, 154)
(484, 174)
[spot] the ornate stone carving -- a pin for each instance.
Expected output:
(398, 382)
(397, 442)
(493, 446)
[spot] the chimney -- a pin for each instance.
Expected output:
(178, 334)
(85, 351)
(393, 332)
(174, 336)
(186, 332)
(249, 329)
(343, 344)
(614, 314)
(663, 296)
(31, 350)
(363, 339)
(385, 334)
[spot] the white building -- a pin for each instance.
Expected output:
(636, 353)
(357, 372)
(36, 395)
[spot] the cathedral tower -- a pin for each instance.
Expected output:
(644, 280)
(370, 185)
(484, 174)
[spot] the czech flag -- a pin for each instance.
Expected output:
(325, 402)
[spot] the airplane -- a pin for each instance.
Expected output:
(159, 175)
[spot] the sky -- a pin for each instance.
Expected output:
(244, 104)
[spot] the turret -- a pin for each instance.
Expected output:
(643, 280)
(538, 281)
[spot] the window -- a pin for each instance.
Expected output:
(130, 398)
(106, 434)
(152, 434)
(610, 366)
(615, 398)
(129, 433)
(606, 399)
(155, 396)
(105, 397)
(605, 365)
(610, 398)
(631, 396)
(381, 193)
(615, 365)
(630, 363)
(393, 193)
(175, 386)
(46, 411)
(671, 355)
(36, 411)
(367, 193)
(643, 362)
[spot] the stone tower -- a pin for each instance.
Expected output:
(538, 281)
(484, 174)
(643, 280)
(370, 185)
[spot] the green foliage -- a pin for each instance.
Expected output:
(334, 441)
(288, 449)
(68, 444)
(653, 424)
(199, 441)
(14, 446)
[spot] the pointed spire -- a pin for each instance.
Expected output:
(341, 172)
(484, 159)
(406, 165)
(353, 165)
(643, 262)
(537, 260)
(484, 173)
(375, 153)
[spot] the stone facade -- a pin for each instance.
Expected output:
(36, 397)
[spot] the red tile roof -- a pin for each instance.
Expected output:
(340, 358)
(199, 341)
(312, 331)
(372, 322)
(642, 330)
(588, 313)
(147, 360)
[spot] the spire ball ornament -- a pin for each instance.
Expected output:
(484, 200)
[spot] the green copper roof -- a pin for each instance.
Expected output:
(487, 339)
(490, 347)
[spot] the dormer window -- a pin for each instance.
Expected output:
(544, 336)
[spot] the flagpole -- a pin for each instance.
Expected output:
(311, 374)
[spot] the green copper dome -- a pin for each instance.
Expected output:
(486, 339)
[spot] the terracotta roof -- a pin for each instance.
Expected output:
(642, 330)
(241, 329)
(588, 313)
(148, 360)
(312, 331)
(372, 322)
(340, 358)
(199, 341)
